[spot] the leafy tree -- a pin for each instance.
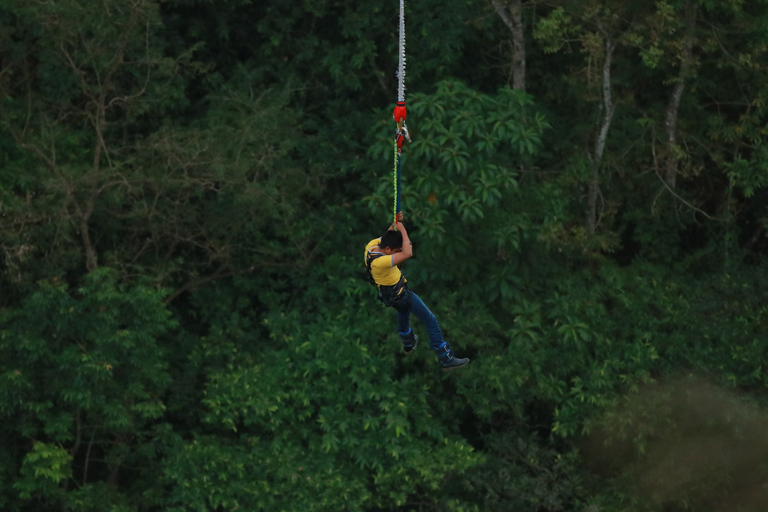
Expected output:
(107, 180)
(83, 379)
(322, 420)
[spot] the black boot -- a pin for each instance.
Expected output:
(410, 341)
(447, 360)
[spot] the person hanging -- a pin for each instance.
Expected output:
(383, 257)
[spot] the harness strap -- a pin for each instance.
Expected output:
(368, 263)
(396, 288)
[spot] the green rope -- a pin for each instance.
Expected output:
(394, 180)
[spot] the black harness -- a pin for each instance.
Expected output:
(389, 295)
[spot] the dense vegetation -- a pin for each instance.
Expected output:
(186, 189)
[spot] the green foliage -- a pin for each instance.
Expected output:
(552, 29)
(42, 470)
(526, 475)
(185, 190)
(319, 413)
(83, 379)
(127, 186)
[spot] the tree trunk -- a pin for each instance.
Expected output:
(686, 63)
(514, 20)
(597, 156)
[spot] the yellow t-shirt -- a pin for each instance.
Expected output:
(382, 268)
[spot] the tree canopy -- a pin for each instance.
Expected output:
(186, 190)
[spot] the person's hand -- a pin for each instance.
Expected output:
(397, 223)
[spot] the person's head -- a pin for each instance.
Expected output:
(392, 240)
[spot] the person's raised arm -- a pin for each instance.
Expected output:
(407, 251)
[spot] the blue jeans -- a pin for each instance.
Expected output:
(413, 304)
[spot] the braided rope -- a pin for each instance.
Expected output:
(396, 186)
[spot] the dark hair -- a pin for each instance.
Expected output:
(392, 239)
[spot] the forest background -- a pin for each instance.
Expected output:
(186, 189)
